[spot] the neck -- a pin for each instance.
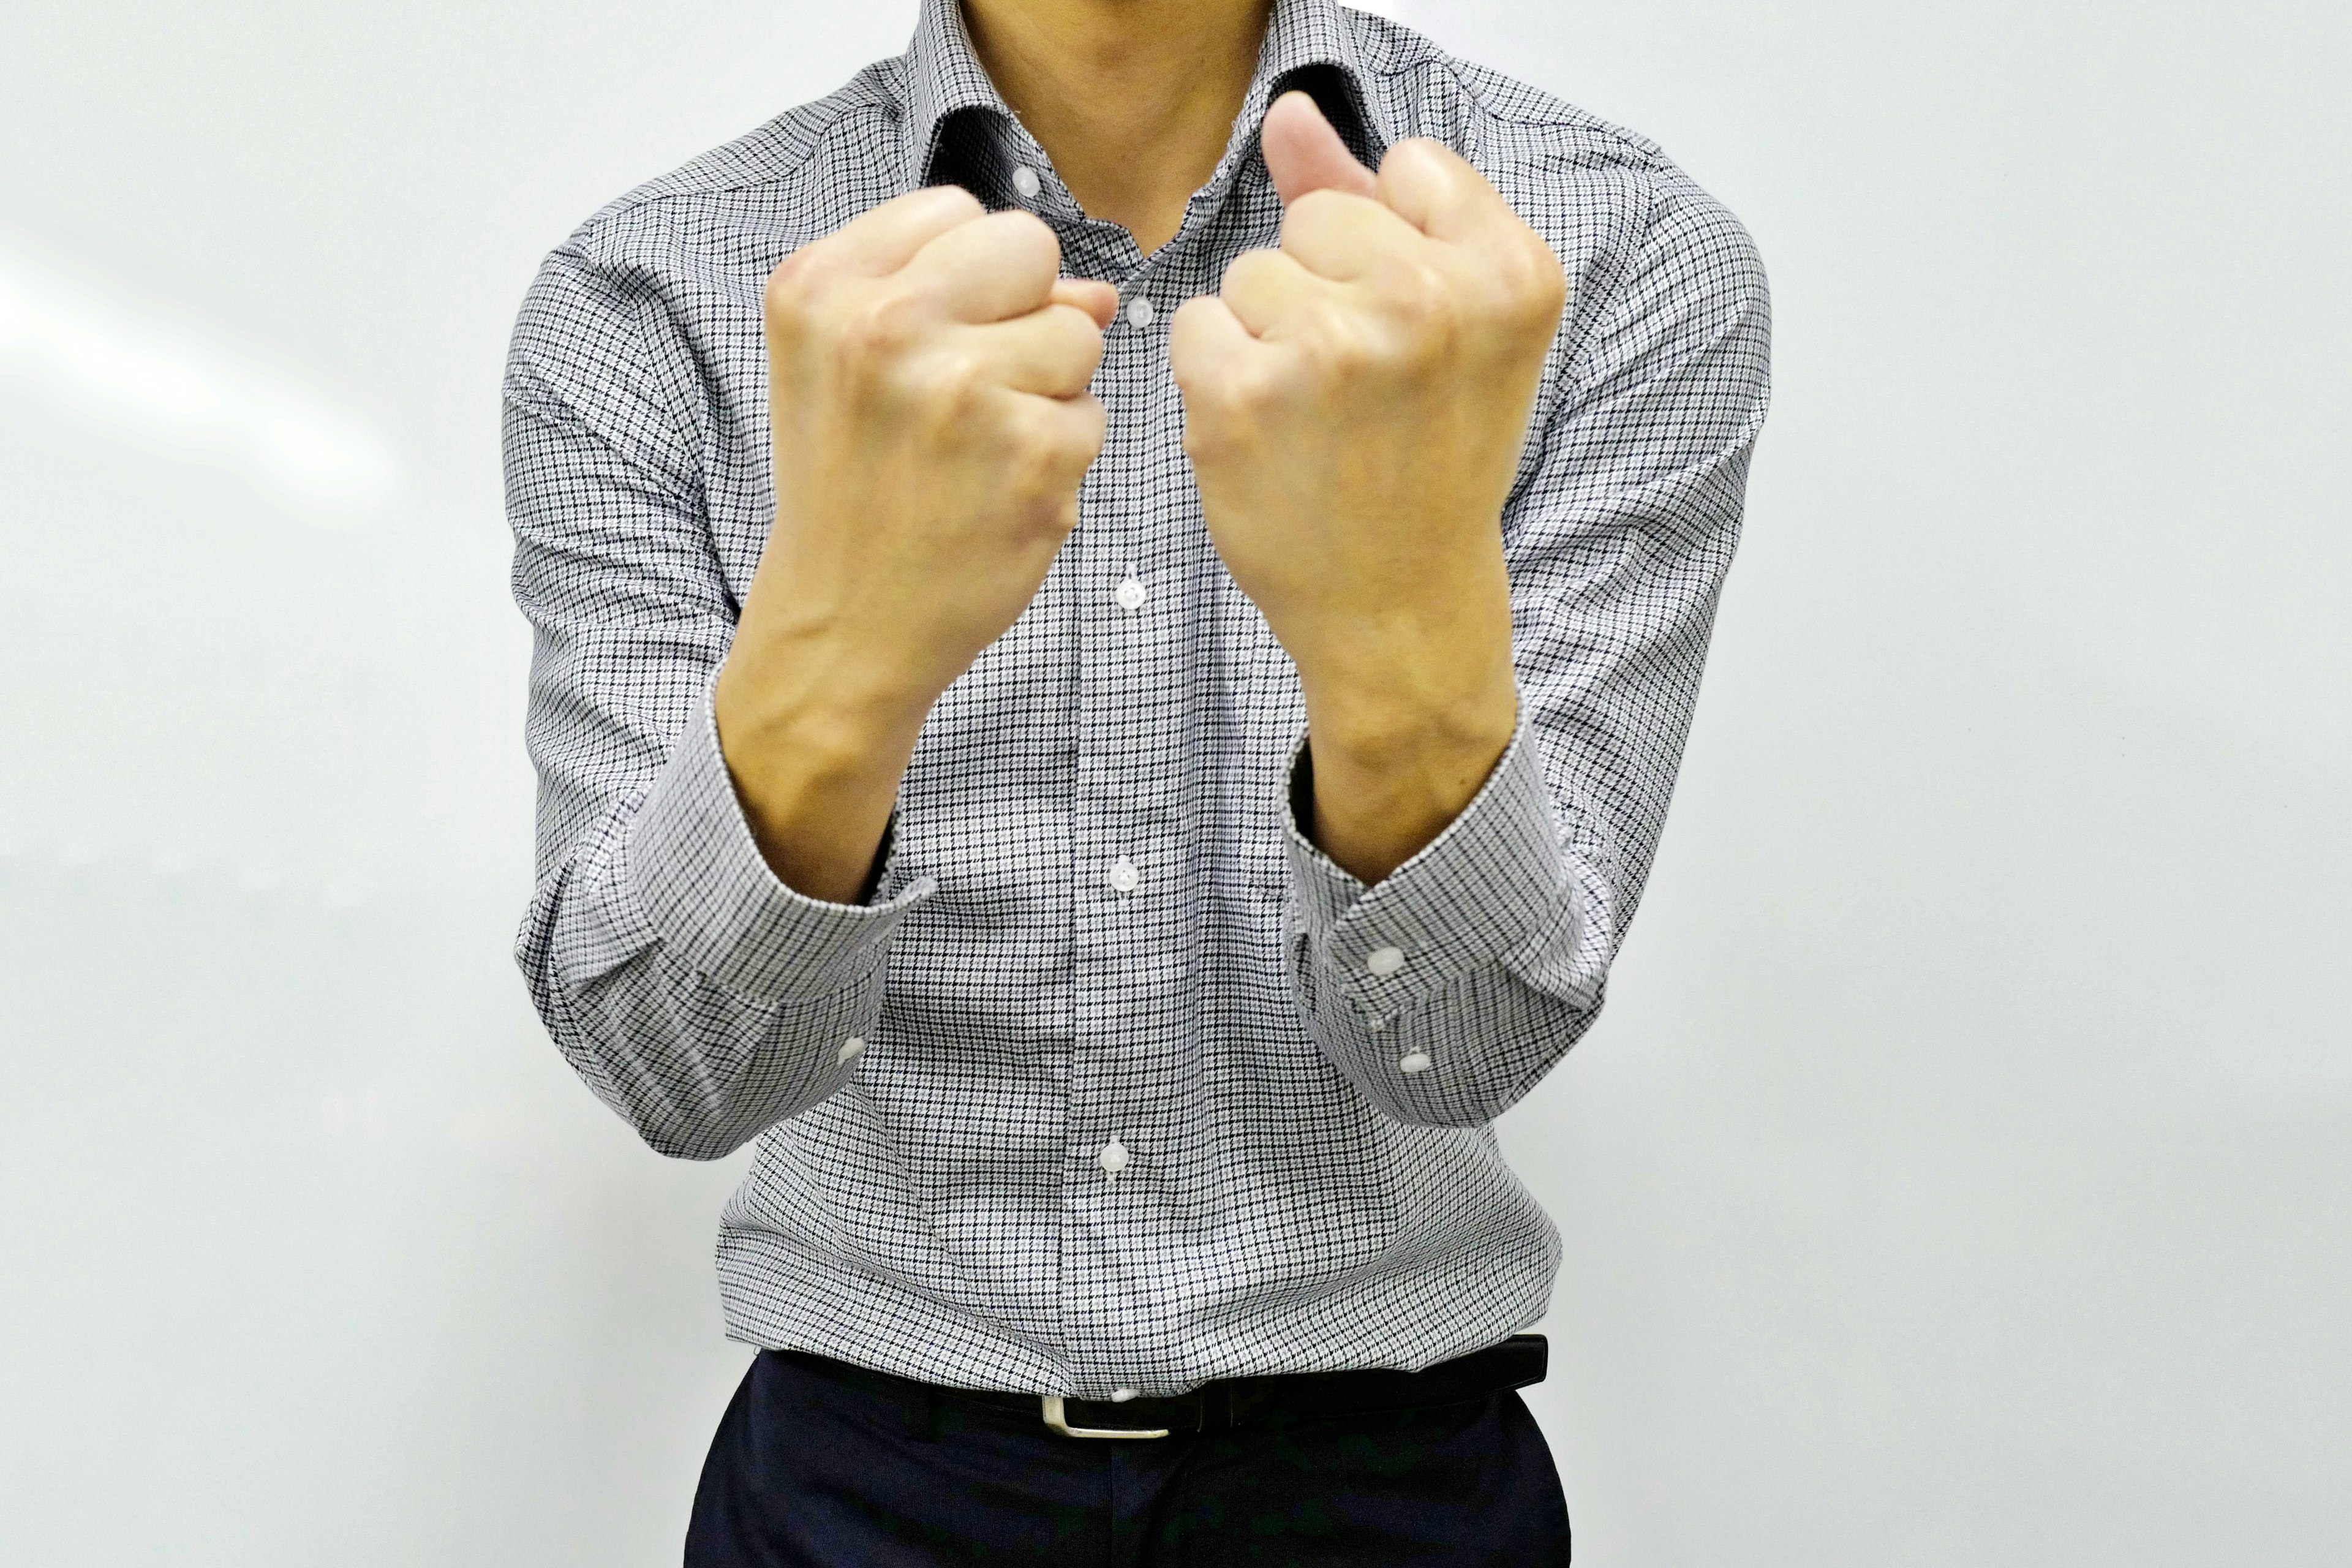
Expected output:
(1133, 99)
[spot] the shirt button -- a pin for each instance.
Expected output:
(1121, 1396)
(1025, 181)
(1139, 312)
(1384, 961)
(850, 1049)
(1417, 1061)
(1131, 595)
(1125, 876)
(1113, 1158)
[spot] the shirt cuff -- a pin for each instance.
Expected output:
(713, 899)
(1490, 883)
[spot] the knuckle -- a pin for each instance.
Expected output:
(1037, 464)
(957, 379)
(1207, 387)
(1025, 244)
(1034, 441)
(956, 198)
(880, 324)
(1081, 346)
(1425, 158)
(1243, 271)
(785, 298)
(1311, 214)
(1090, 422)
(1524, 282)
(1246, 394)
(1425, 295)
(1032, 229)
(1341, 345)
(1550, 296)
(1535, 285)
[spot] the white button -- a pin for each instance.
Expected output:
(1384, 960)
(1139, 312)
(850, 1049)
(1125, 876)
(1121, 1396)
(1113, 1158)
(1417, 1062)
(1131, 595)
(1025, 180)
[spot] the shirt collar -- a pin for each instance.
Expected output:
(1308, 44)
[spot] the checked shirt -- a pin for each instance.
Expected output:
(1113, 1080)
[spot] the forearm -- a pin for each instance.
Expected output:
(1401, 734)
(700, 995)
(816, 753)
(1449, 987)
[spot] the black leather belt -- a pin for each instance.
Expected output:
(1226, 1402)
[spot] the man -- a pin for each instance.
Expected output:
(1117, 851)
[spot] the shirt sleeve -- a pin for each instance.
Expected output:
(697, 994)
(1446, 991)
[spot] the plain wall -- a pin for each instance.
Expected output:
(1960, 1175)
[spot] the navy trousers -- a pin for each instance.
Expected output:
(812, 1466)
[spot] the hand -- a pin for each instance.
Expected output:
(928, 395)
(1355, 404)
(927, 389)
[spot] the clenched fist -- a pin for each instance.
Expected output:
(1355, 404)
(928, 376)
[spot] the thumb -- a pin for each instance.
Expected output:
(1303, 153)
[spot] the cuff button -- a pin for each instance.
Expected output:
(850, 1049)
(1417, 1061)
(1384, 961)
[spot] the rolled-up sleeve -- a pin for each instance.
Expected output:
(697, 994)
(1446, 991)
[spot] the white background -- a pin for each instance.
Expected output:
(1960, 1175)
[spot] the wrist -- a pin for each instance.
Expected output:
(816, 777)
(1370, 792)
(1387, 749)
(815, 690)
(1397, 693)
(782, 758)
(1401, 737)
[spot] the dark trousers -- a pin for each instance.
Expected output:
(815, 1466)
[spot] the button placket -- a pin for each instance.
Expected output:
(1127, 778)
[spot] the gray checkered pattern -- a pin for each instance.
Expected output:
(1314, 1181)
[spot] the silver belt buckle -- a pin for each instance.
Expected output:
(1055, 1414)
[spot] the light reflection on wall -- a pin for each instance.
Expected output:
(170, 871)
(147, 382)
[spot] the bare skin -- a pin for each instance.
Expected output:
(1133, 99)
(1354, 403)
(1354, 400)
(928, 389)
